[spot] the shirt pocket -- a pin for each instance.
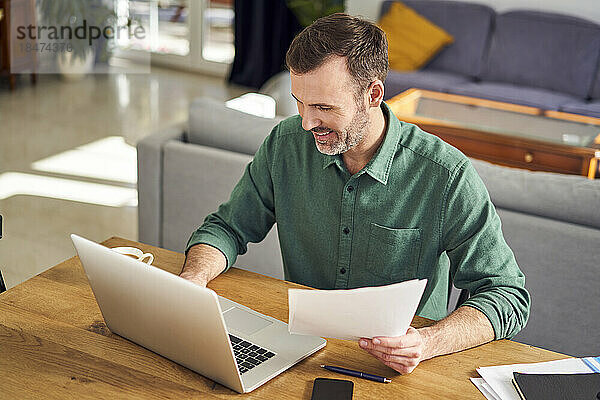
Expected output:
(393, 254)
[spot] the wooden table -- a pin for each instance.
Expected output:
(54, 344)
(504, 133)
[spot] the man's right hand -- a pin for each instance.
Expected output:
(202, 264)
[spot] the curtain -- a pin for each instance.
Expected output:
(264, 30)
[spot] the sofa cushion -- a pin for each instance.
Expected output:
(397, 82)
(591, 109)
(544, 50)
(517, 94)
(470, 25)
(414, 41)
(214, 125)
(568, 198)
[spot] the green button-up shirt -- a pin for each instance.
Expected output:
(418, 209)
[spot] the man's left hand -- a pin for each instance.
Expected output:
(401, 353)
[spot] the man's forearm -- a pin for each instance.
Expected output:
(202, 264)
(465, 328)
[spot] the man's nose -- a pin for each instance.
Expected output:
(309, 120)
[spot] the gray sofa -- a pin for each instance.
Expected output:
(551, 221)
(544, 60)
(552, 224)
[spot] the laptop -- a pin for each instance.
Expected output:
(188, 324)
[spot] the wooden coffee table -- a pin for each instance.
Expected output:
(504, 133)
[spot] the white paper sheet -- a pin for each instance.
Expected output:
(485, 389)
(500, 377)
(354, 313)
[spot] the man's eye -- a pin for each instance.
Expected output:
(323, 108)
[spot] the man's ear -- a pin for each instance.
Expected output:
(375, 93)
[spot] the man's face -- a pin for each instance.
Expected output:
(327, 104)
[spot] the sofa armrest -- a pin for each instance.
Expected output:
(150, 172)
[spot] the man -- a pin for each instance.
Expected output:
(362, 199)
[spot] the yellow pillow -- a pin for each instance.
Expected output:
(412, 39)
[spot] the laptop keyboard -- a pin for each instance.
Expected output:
(248, 355)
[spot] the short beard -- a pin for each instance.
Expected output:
(354, 133)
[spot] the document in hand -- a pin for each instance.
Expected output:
(354, 313)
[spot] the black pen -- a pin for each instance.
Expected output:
(356, 374)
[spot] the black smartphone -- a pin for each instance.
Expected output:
(332, 389)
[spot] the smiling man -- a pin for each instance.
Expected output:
(363, 199)
(340, 121)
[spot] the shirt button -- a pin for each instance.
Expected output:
(350, 188)
(342, 271)
(346, 231)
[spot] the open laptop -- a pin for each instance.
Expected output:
(216, 337)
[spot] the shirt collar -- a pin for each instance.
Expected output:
(328, 160)
(379, 166)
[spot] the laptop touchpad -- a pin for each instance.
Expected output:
(243, 321)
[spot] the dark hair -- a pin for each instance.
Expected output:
(362, 43)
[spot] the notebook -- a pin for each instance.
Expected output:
(557, 386)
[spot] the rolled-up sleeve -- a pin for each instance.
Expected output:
(248, 215)
(480, 259)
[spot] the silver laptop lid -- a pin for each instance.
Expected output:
(160, 311)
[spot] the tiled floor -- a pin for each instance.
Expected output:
(55, 116)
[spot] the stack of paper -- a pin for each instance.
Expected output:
(354, 313)
(496, 382)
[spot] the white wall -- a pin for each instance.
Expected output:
(588, 9)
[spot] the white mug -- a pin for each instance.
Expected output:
(135, 253)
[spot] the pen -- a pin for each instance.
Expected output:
(356, 374)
